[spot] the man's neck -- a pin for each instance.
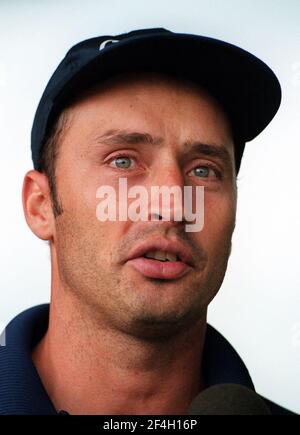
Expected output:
(89, 369)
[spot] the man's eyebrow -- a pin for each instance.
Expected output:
(126, 137)
(219, 151)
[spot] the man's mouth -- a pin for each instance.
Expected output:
(161, 256)
(161, 259)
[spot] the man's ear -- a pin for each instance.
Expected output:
(37, 204)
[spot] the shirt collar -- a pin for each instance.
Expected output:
(21, 389)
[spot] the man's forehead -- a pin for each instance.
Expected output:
(143, 81)
(158, 92)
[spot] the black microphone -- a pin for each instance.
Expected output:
(228, 399)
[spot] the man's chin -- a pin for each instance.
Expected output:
(161, 327)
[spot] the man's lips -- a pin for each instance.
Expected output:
(152, 268)
(158, 269)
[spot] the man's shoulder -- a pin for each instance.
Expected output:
(276, 409)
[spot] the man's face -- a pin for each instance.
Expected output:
(93, 257)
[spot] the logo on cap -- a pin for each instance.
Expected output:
(105, 43)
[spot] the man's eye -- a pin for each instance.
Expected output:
(122, 162)
(205, 172)
(201, 171)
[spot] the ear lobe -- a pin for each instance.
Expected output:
(37, 205)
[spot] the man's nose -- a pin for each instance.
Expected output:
(167, 192)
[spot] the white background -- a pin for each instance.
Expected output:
(258, 307)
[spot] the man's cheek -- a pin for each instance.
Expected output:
(106, 237)
(219, 217)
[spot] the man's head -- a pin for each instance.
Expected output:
(91, 256)
(154, 129)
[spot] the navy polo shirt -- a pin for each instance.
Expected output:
(21, 389)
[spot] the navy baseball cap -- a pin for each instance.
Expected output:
(245, 86)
